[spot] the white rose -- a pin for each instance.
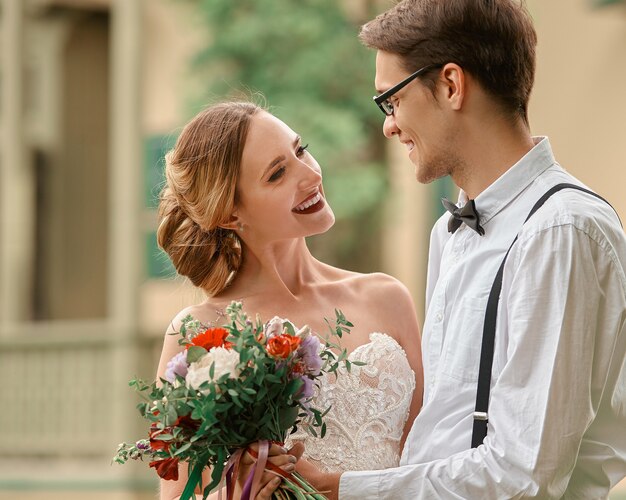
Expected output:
(274, 327)
(226, 361)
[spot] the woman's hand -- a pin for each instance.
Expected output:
(278, 456)
(325, 483)
(266, 492)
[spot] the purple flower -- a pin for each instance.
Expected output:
(176, 366)
(306, 391)
(143, 444)
(309, 352)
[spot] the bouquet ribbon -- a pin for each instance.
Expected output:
(253, 481)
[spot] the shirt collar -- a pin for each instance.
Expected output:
(515, 180)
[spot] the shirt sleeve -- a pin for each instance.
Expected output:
(564, 299)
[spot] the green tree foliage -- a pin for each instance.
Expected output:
(304, 57)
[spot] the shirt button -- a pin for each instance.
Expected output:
(439, 317)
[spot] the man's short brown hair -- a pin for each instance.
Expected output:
(493, 40)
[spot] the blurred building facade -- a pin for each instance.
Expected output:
(93, 92)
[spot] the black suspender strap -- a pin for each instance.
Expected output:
(481, 416)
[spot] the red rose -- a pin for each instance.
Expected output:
(186, 422)
(167, 468)
(298, 369)
(282, 346)
(213, 337)
(158, 444)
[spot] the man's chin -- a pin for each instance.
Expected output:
(423, 176)
(427, 177)
(421, 171)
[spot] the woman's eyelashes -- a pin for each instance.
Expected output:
(279, 172)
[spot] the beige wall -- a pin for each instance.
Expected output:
(171, 36)
(579, 99)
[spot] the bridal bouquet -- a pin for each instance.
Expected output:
(232, 386)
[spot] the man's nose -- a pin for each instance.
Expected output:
(389, 127)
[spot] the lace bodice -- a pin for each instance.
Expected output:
(369, 407)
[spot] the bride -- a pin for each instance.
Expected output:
(243, 192)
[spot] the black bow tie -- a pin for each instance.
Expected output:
(467, 213)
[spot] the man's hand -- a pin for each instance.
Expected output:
(325, 483)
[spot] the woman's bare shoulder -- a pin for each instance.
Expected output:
(388, 292)
(386, 300)
(207, 312)
(375, 285)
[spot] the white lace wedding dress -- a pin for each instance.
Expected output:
(369, 407)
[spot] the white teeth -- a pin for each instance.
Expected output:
(409, 145)
(309, 203)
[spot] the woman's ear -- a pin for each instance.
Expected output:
(233, 223)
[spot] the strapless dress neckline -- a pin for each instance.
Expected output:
(369, 408)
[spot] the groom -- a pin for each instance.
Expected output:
(454, 78)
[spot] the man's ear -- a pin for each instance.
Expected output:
(454, 83)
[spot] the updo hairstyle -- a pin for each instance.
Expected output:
(200, 195)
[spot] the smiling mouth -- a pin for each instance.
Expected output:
(311, 205)
(410, 145)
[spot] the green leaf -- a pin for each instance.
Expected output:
(194, 353)
(289, 327)
(195, 477)
(183, 448)
(318, 418)
(288, 417)
(237, 402)
(293, 386)
(171, 414)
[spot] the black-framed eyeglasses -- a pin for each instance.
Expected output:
(382, 100)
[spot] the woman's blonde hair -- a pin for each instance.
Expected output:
(200, 195)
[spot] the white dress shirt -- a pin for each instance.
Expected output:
(557, 413)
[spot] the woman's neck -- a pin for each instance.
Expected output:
(285, 267)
